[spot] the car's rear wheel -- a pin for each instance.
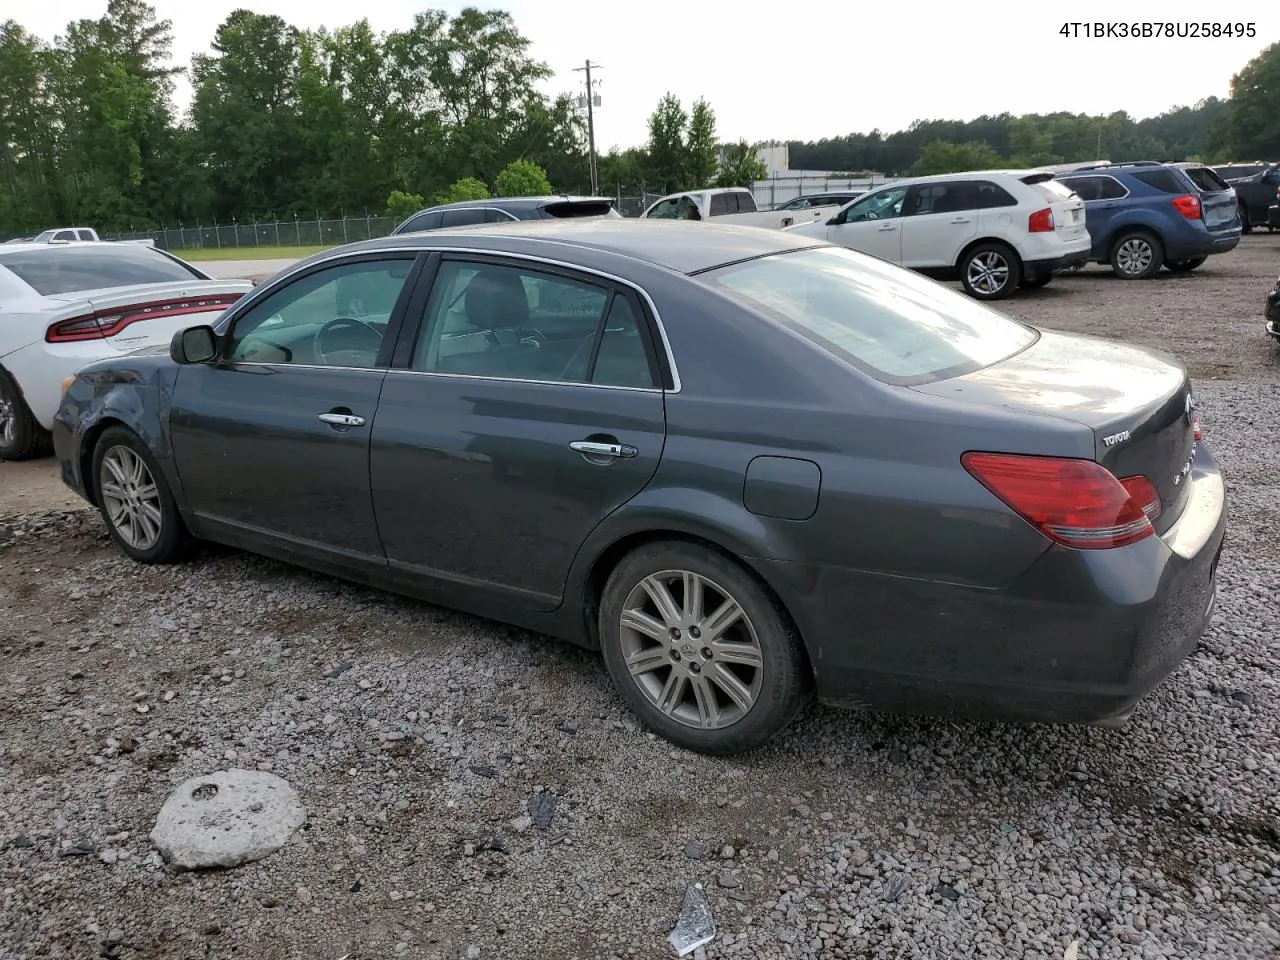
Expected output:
(1137, 256)
(1185, 266)
(1245, 225)
(990, 271)
(700, 650)
(135, 501)
(21, 437)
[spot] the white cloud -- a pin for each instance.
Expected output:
(819, 69)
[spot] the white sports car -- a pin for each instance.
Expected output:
(62, 306)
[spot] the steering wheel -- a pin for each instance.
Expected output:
(352, 353)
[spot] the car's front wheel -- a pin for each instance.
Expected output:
(990, 271)
(1137, 256)
(21, 437)
(1185, 266)
(135, 500)
(700, 650)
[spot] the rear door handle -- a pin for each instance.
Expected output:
(591, 448)
(889, 226)
(960, 220)
(342, 419)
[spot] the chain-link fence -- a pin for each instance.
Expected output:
(274, 233)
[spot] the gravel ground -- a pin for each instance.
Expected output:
(418, 738)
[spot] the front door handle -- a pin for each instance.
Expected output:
(342, 419)
(960, 220)
(889, 226)
(591, 448)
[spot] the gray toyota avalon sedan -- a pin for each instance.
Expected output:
(748, 466)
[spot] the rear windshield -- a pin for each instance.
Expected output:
(1055, 191)
(1206, 179)
(74, 269)
(892, 324)
(578, 208)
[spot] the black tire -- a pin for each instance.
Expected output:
(1185, 266)
(174, 541)
(1137, 255)
(1000, 263)
(1036, 281)
(1245, 225)
(781, 684)
(21, 437)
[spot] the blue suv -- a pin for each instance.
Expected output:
(1145, 215)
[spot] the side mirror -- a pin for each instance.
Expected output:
(194, 345)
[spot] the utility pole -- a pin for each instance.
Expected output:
(591, 122)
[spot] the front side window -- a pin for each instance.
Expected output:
(885, 205)
(75, 269)
(675, 208)
(722, 203)
(893, 324)
(490, 320)
(334, 317)
(423, 221)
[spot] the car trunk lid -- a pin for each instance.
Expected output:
(1067, 207)
(126, 318)
(1218, 200)
(1137, 403)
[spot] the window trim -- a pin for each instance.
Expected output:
(428, 254)
(662, 373)
(225, 328)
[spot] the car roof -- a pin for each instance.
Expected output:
(7, 248)
(682, 246)
(515, 202)
(964, 175)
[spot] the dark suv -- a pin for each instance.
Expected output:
(1257, 187)
(506, 209)
(1144, 215)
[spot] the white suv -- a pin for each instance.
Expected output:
(994, 230)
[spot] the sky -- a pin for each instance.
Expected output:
(821, 69)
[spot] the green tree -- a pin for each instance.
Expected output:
(1252, 124)
(943, 157)
(29, 174)
(740, 165)
(401, 206)
(666, 149)
(520, 178)
(468, 188)
(702, 149)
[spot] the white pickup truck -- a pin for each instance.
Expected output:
(734, 205)
(79, 234)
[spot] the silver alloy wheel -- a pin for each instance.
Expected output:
(691, 649)
(1134, 256)
(8, 421)
(131, 497)
(988, 272)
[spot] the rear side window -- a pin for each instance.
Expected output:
(75, 269)
(578, 208)
(1086, 188)
(494, 215)
(888, 322)
(464, 217)
(746, 202)
(1206, 179)
(941, 198)
(1161, 179)
(423, 221)
(992, 195)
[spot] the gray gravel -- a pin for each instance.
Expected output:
(477, 791)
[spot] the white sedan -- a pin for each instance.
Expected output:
(63, 306)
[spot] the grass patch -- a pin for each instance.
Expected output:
(248, 253)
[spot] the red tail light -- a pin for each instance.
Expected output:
(1041, 221)
(1143, 492)
(1077, 503)
(1188, 206)
(1195, 425)
(108, 323)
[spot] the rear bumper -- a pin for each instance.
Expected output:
(1196, 240)
(1081, 637)
(1057, 264)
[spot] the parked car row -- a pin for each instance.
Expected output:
(998, 230)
